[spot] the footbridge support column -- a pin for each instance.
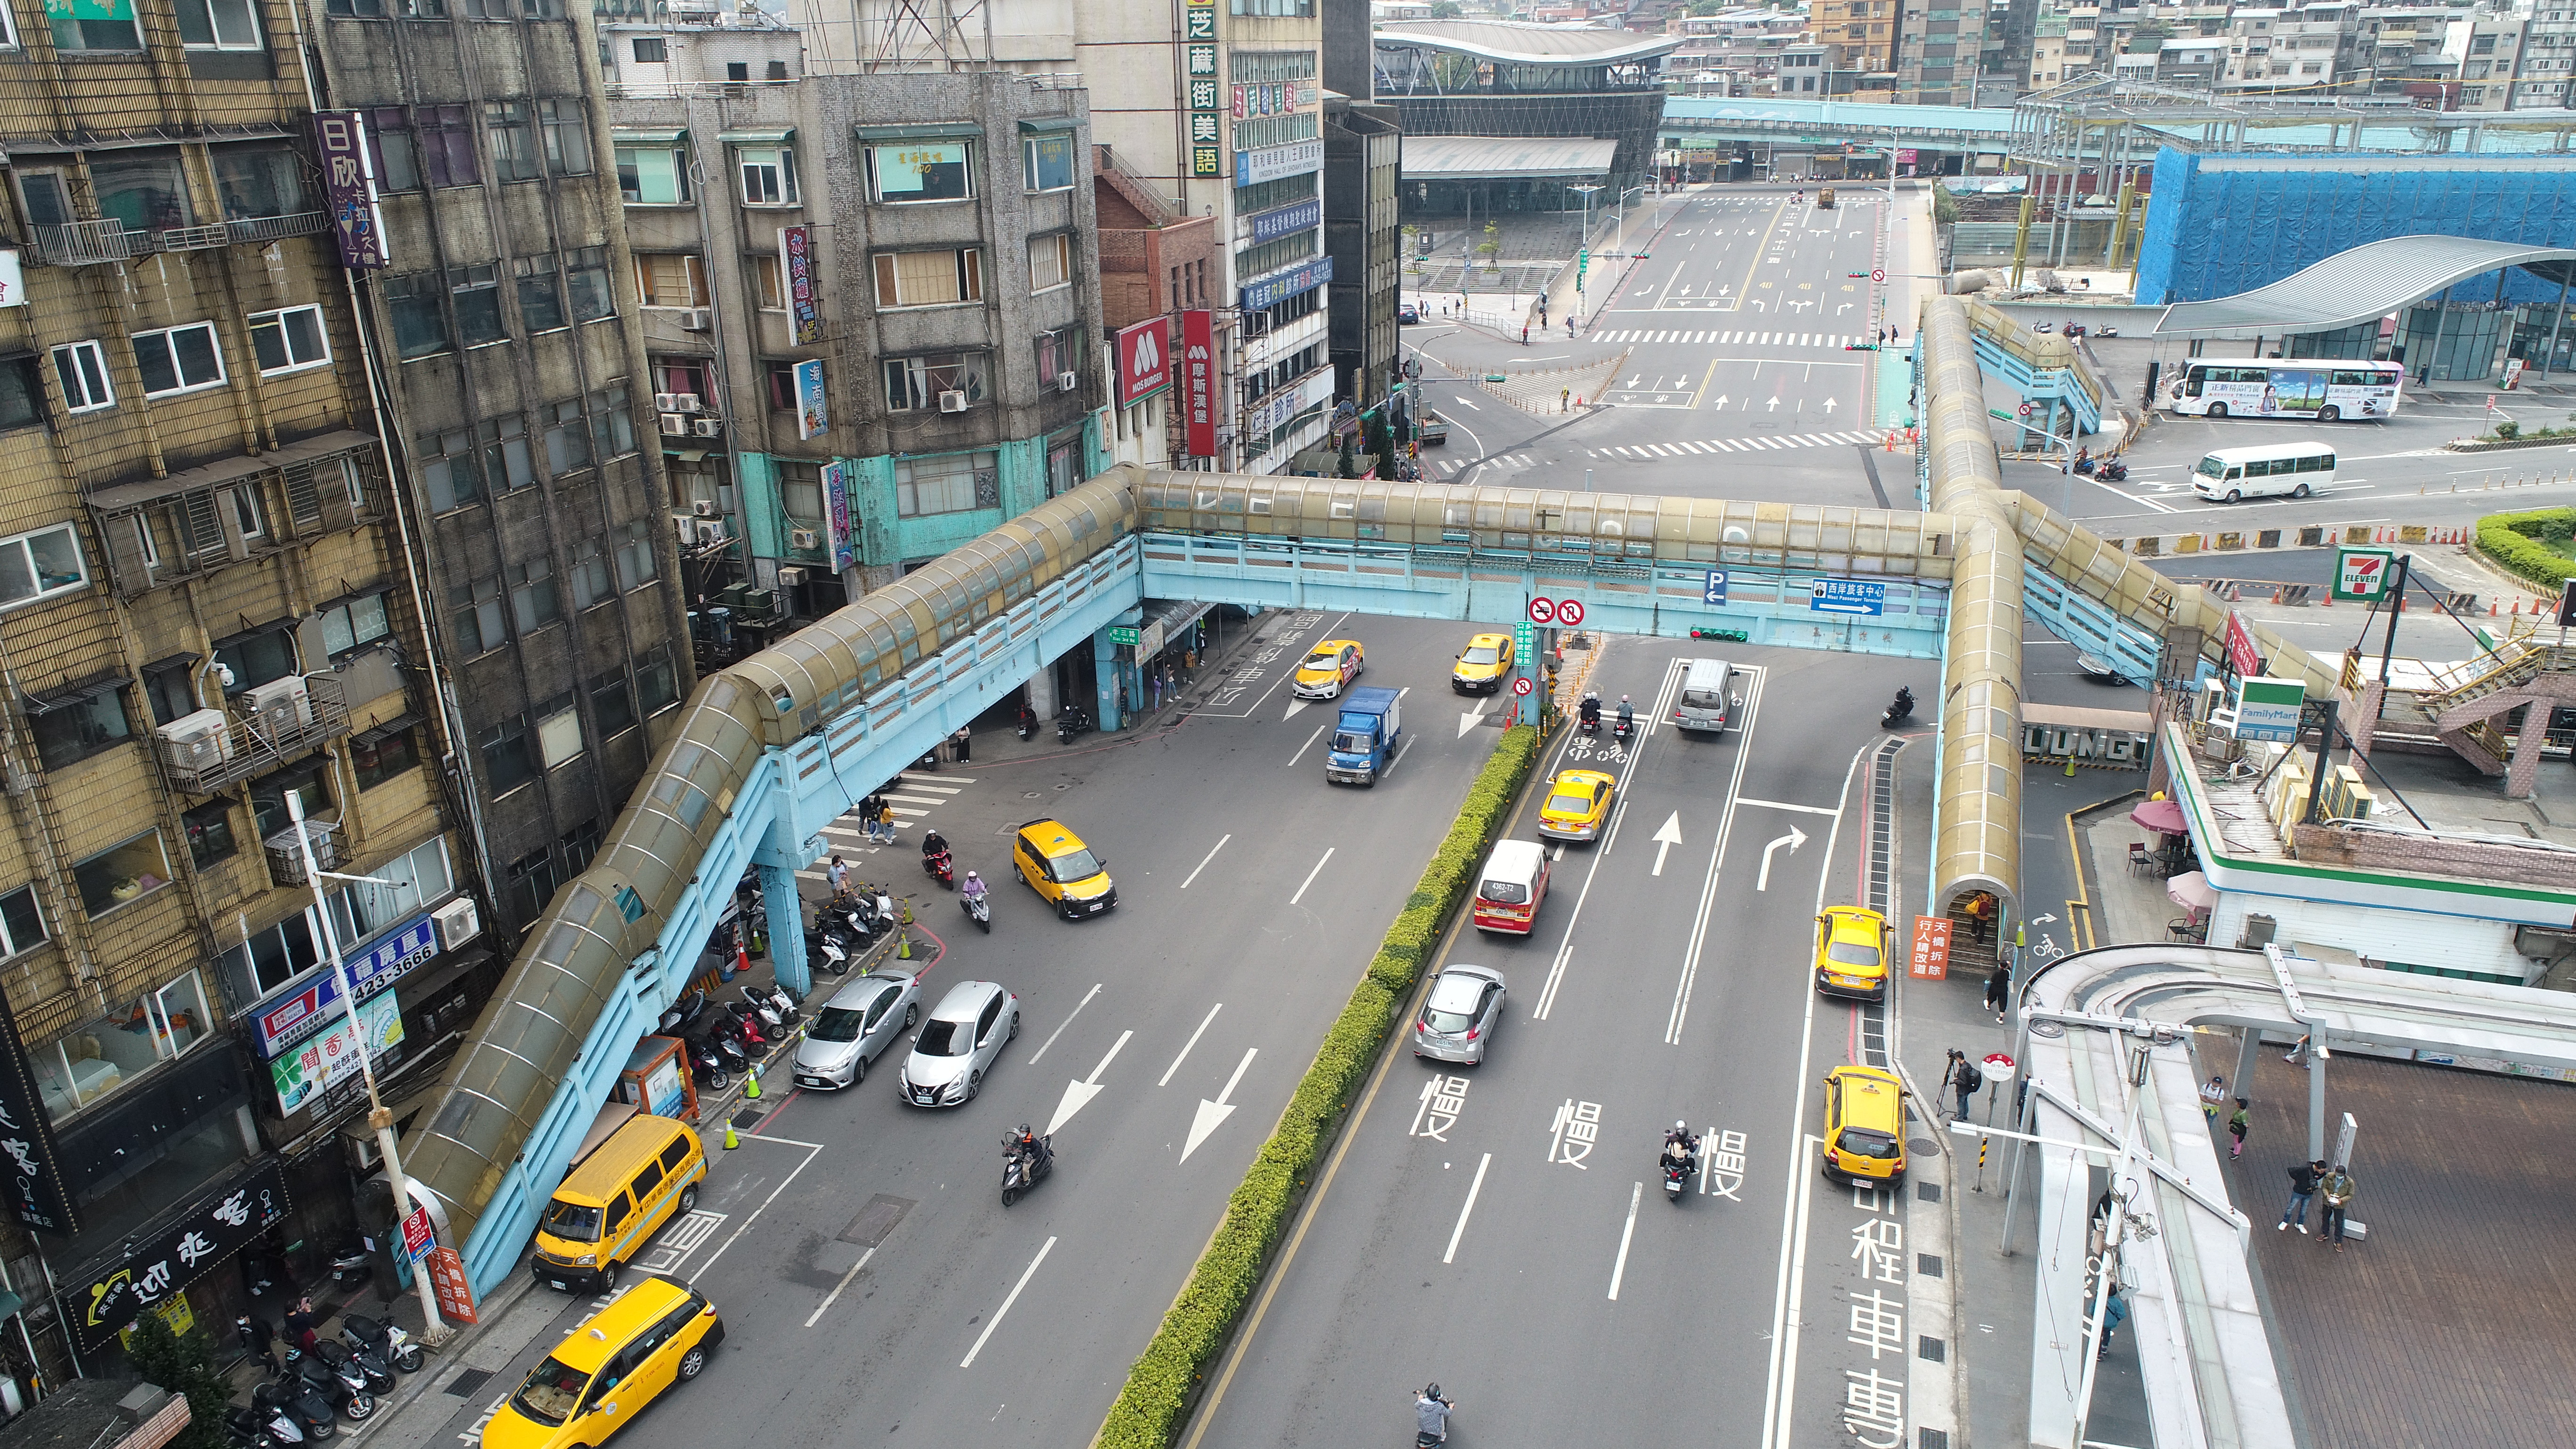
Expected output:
(786, 929)
(1105, 670)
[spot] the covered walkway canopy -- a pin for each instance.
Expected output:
(1513, 42)
(1506, 158)
(2369, 282)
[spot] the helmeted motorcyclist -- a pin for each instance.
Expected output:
(1431, 1413)
(933, 843)
(1680, 1147)
(1904, 702)
(1591, 709)
(973, 889)
(1627, 711)
(1035, 1148)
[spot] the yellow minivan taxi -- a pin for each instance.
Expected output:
(615, 1199)
(601, 1376)
(1055, 863)
(1482, 665)
(1851, 953)
(1864, 1125)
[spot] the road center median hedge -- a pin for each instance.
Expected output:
(2514, 540)
(1161, 1386)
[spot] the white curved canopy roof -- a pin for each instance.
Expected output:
(2361, 285)
(1519, 43)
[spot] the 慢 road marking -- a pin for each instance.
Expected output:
(1478, 1186)
(1211, 855)
(1310, 877)
(1636, 1194)
(1006, 1303)
(1068, 1021)
(1185, 1046)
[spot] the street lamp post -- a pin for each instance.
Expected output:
(1582, 239)
(433, 1327)
(1622, 243)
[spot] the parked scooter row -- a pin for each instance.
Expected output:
(1072, 720)
(295, 1404)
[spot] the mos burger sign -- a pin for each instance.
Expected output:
(1144, 360)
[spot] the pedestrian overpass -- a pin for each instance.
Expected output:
(768, 751)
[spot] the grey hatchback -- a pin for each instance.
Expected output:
(855, 1027)
(958, 1043)
(1457, 1022)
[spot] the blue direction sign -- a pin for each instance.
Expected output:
(1847, 596)
(1713, 591)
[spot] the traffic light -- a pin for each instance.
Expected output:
(1724, 636)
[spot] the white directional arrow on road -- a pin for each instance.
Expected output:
(1829, 405)
(1667, 838)
(1793, 840)
(1077, 1095)
(1720, 403)
(1294, 705)
(1469, 721)
(1775, 405)
(1213, 1113)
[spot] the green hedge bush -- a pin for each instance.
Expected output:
(1154, 1405)
(2513, 540)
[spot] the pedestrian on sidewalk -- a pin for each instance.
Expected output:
(964, 743)
(2339, 1190)
(1563, 396)
(885, 821)
(301, 1321)
(1964, 1079)
(2236, 1125)
(258, 1340)
(1525, 334)
(2212, 1093)
(1999, 991)
(839, 874)
(1981, 916)
(2304, 1177)
(2115, 1311)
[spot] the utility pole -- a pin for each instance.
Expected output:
(433, 1327)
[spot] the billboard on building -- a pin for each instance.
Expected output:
(1144, 361)
(349, 188)
(1198, 379)
(813, 413)
(796, 256)
(836, 503)
(36, 1191)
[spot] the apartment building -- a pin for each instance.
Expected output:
(870, 304)
(1147, 253)
(212, 615)
(520, 412)
(1861, 35)
(1937, 57)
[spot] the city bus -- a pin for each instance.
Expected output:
(2324, 389)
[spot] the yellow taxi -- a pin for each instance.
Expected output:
(1578, 805)
(600, 1378)
(1864, 1125)
(1055, 863)
(1483, 665)
(1331, 666)
(1851, 953)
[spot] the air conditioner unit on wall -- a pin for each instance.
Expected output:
(707, 427)
(687, 402)
(952, 401)
(675, 425)
(280, 706)
(805, 539)
(458, 923)
(711, 532)
(666, 402)
(696, 319)
(790, 577)
(1068, 381)
(703, 508)
(198, 741)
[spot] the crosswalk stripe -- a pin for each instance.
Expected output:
(950, 784)
(1699, 447)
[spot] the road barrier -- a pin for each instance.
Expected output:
(1164, 1383)
(2172, 545)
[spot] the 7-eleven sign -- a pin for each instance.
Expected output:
(2363, 574)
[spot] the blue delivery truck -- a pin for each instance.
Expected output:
(1363, 743)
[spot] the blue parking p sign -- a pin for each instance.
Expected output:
(1847, 596)
(1713, 591)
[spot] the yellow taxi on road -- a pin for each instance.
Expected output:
(1055, 863)
(1330, 667)
(1578, 805)
(1483, 665)
(598, 1380)
(1851, 953)
(1864, 1126)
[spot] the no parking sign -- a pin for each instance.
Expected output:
(1542, 611)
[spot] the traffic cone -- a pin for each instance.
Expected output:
(731, 1141)
(907, 910)
(751, 1084)
(903, 949)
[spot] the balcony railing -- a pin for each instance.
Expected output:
(84, 243)
(253, 744)
(91, 243)
(271, 228)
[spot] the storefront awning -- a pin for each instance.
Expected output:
(1030, 124)
(646, 136)
(1506, 158)
(757, 137)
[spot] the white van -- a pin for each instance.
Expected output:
(1703, 703)
(2292, 469)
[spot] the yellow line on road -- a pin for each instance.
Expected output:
(1703, 385)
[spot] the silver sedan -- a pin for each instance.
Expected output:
(1457, 1022)
(958, 1043)
(855, 1027)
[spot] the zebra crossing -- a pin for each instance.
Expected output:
(1453, 467)
(1648, 452)
(912, 795)
(1727, 339)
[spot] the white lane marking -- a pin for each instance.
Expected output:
(1078, 1095)
(1310, 876)
(1068, 1021)
(949, 783)
(1459, 1231)
(1401, 751)
(1185, 1046)
(1636, 1194)
(835, 1295)
(1302, 749)
(1784, 805)
(1716, 857)
(918, 799)
(1030, 1272)
(1211, 855)
(1790, 1292)
(812, 1151)
(1793, 840)
(1666, 838)
(1462, 402)
(1212, 1114)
